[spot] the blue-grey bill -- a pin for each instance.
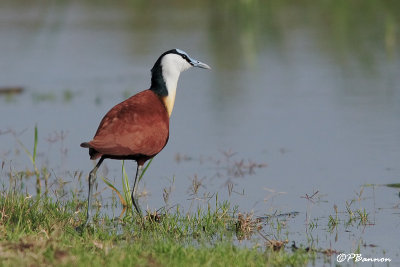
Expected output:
(199, 64)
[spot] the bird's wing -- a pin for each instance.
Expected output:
(138, 125)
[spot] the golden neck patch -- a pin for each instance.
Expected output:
(169, 101)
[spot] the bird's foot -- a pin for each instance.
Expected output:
(89, 225)
(154, 216)
(137, 207)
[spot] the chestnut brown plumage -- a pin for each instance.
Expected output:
(135, 129)
(138, 128)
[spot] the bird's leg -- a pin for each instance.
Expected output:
(135, 202)
(92, 178)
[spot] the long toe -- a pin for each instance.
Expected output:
(137, 208)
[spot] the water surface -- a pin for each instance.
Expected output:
(313, 91)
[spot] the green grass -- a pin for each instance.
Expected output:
(41, 231)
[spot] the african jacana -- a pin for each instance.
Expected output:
(138, 128)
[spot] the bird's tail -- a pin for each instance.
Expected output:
(94, 154)
(85, 144)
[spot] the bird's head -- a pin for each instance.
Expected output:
(165, 74)
(166, 70)
(178, 60)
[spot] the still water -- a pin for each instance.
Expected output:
(312, 91)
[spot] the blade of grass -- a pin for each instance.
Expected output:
(35, 145)
(32, 158)
(123, 202)
(26, 150)
(125, 186)
(38, 182)
(145, 169)
(109, 184)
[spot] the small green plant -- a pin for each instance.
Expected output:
(362, 217)
(32, 157)
(125, 196)
(68, 95)
(349, 211)
(333, 221)
(313, 224)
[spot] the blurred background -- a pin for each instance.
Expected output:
(303, 96)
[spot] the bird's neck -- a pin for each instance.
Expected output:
(164, 84)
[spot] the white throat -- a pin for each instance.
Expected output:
(171, 81)
(172, 66)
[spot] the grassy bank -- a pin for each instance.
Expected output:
(41, 231)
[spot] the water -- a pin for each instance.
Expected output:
(313, 91)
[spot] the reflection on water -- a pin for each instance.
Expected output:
(310, 89)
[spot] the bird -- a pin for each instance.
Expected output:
(138, 128)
